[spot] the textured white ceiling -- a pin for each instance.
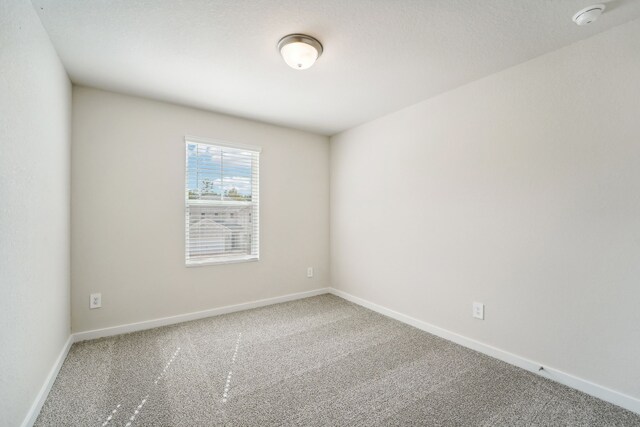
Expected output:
(379, 55)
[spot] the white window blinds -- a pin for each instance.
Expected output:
(221, 202)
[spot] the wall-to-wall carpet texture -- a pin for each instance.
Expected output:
(317, 361)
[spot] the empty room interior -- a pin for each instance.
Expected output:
(319, 213)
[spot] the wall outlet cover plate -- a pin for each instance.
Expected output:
(478, 310)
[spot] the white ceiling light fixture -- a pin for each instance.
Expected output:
(588, 14)
(299, 51)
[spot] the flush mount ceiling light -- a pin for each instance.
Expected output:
(299, 51)
(588, 14)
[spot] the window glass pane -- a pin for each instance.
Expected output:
(204, 180)
(220, 230)
(221, 203)
(215, 173)
(236, 174)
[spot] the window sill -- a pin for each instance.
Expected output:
(221, 260)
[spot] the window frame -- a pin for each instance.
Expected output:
(229, 259)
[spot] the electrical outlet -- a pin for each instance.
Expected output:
(478, 310)
(95, 301)
(309, 271)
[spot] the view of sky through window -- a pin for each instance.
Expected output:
(218, 173)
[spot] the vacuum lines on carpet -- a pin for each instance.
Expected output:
(320, 361)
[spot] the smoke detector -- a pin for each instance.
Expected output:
(588, 14)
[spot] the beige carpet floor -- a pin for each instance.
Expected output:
(320, 361)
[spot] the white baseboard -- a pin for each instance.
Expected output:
(150, 324)
(585, 386)
(604, 393)
(34, 411)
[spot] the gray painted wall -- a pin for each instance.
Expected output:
(35, 120)
(521, 191)
(128, 172)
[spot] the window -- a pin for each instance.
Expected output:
(221, 202)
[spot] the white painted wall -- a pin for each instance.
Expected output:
(520, 190)
(128, 172)
(35, 120)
